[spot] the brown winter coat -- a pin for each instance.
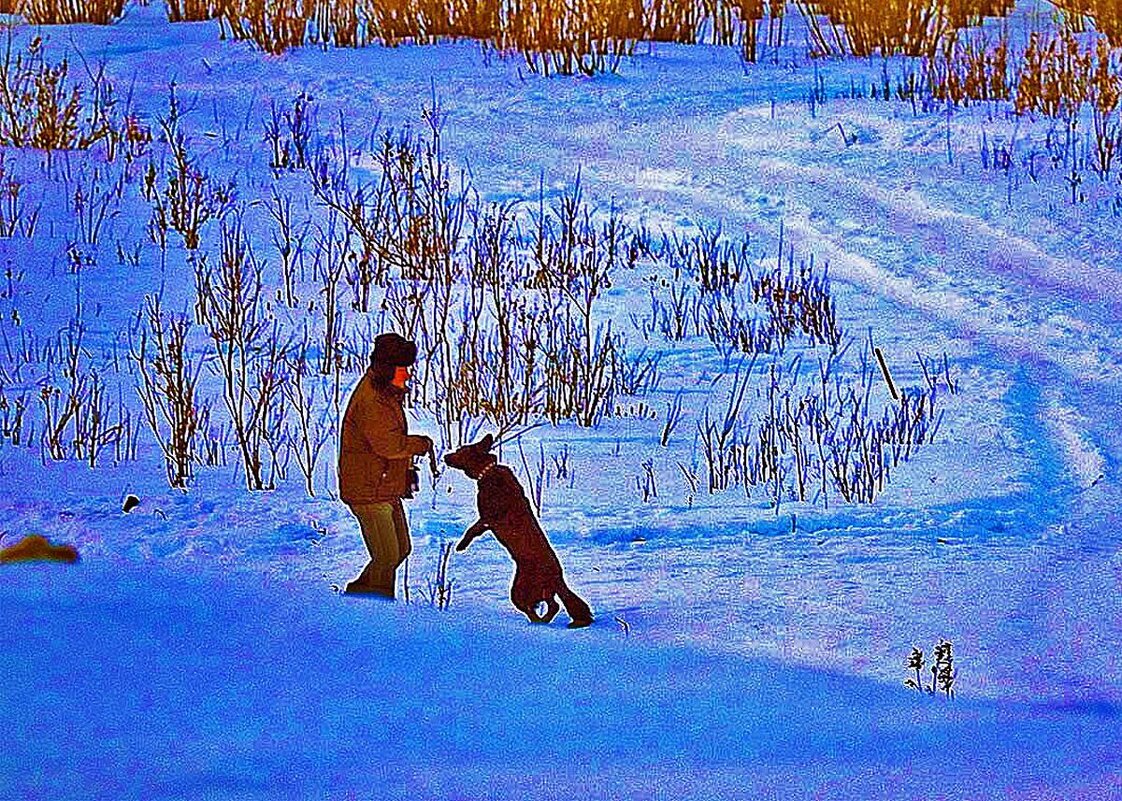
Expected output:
(375, 448)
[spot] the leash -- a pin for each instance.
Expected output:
(519, 435)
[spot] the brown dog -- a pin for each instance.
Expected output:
(504, 510)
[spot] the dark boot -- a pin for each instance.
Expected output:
(357, 587)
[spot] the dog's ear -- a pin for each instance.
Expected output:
(487, 442)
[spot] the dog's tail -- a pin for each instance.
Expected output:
(579, 613)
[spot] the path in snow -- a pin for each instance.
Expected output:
(1051, 321)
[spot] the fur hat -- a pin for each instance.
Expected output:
(393, 350)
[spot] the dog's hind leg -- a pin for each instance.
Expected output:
(531, 612)
(524, 601)
(578, 611)
(551, 609)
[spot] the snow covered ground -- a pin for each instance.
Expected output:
(198, 651)
(125, 682)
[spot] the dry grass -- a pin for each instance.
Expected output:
(272, 25)
(1105, 15)
(567, 38)
(970, 69)
(191, 10)
(1055, 75)
(570, 37)
(564, 37)
(1059, 76)
(65, 12)
(892, 27)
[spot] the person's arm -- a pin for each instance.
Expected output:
(387, 440)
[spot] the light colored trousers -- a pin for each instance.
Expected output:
(386, 534)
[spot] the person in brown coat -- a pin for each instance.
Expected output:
(376, 454)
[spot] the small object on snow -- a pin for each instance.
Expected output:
(35, 548)
(887, 376)
(1093, 484)
(131, 502)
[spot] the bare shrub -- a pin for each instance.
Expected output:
(713, 290)
(95, 202)
(426, 207)
(249, 355)
(188, 197)
(169, 376)
(573, 257)
(13, 416)
(440, 585)
(810, 441)
(79, 421)
(410, 219)
(17, 218)
(311, 430)
(362, 210)
(722, 439)
(290, 133)
(289, 242)
(534, 478)
(215, 438)
(41, 107)
(330, 246)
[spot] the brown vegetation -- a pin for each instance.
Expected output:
(970, 69)
(65, 12)
(554, 36)
(891, 27)
(36, 548)
(1105, 15)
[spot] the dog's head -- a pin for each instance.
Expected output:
(473, 458)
